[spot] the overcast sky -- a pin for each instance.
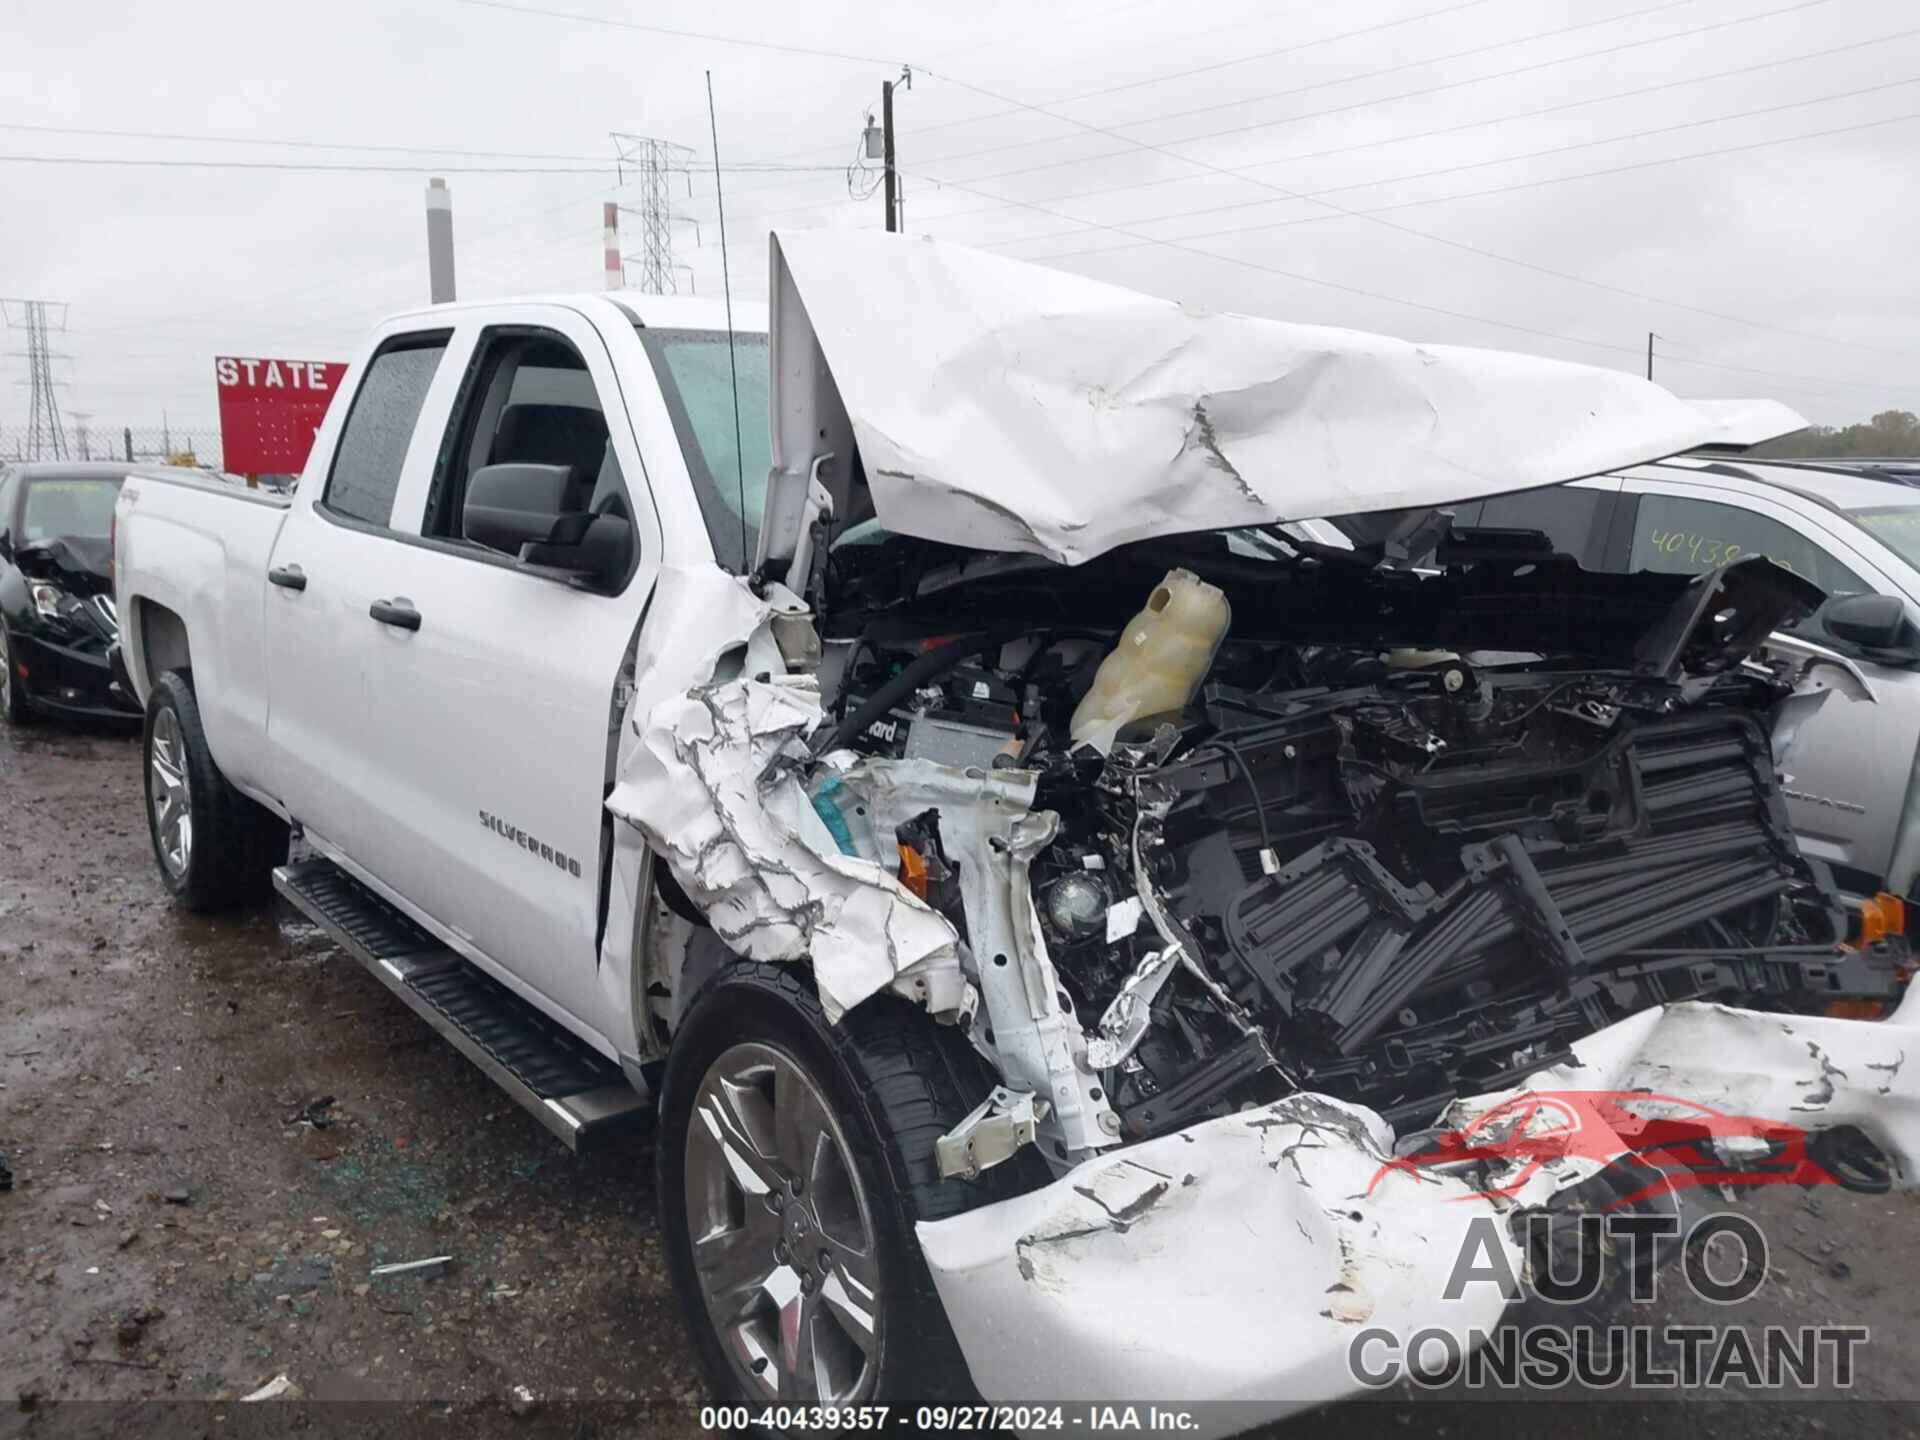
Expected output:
(1511, 173)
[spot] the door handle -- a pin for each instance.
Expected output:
(287, 577)
(397, 613)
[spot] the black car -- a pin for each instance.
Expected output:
(57, 618)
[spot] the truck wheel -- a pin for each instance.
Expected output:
(793, 1159)
(13, 695)
(216, 847)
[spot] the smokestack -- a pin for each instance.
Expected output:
(439, 241)
(610, 221)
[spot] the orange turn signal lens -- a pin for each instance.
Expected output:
(913, 870)
(1882, 916)
(1856, 1009)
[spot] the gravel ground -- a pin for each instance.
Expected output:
(177, 1232)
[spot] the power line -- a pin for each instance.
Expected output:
(1406, 65)
(1164, 149)
(184, 163)
(678, 34)
(1365, 293)
(96, 133)
(1025, 171)
(1687, 82)
(981, 119)
(1317, 197)
(1214, 66)
(174, 163)
(1446, 199)
(224, 313)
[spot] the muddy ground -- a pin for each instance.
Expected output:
(176, 1231)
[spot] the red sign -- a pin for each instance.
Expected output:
(269, 410)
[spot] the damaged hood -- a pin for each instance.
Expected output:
(1004, 406)
(81, 563)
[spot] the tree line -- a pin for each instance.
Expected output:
(1891, 432)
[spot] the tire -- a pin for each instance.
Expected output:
(224, 853)
(14, 705)
(892, 1082)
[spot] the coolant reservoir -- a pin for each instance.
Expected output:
(1162, 656)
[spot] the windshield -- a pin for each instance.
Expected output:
(1895, 526)
(698, 383)
(56, 509)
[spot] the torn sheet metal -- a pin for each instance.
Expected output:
(1007, 406)
(710, 792)
(1234, 1261)
(695, 781)
(791, 859)
(713, 776)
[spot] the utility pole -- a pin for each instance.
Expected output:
(439, 241)
(655, 160)
(1649, 354)
(886, 131)
(46, 439)
(896, 192)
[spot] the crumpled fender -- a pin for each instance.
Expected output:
(1239, 1259)
(710, 776)
(1233, 1261)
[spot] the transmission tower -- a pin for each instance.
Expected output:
(46, 439)
(653, 162)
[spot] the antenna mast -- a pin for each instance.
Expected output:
(733, 364)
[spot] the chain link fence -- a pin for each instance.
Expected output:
(197, 445)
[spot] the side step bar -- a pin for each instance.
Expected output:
(571, 1088)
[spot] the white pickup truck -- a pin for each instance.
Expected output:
(908, 756)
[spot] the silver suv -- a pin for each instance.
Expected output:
(1853, 781)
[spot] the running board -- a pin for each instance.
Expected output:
(568, 1086)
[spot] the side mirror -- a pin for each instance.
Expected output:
(1874, 622)
(513, 505)
(523, 510)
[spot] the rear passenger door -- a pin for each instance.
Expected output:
(492, 721)
(334, 557)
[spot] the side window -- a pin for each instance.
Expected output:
(1567, 516)
(529, 399)
(373, 443)
(1686, 536)
(9, 482)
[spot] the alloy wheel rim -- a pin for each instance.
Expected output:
(782, 1231)
(6, 671)
(171, 795)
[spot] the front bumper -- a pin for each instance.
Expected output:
(67, 680)
(1240, 1259)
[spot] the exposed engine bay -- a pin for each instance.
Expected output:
(1392, 870)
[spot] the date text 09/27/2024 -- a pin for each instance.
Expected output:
(984, 1418)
